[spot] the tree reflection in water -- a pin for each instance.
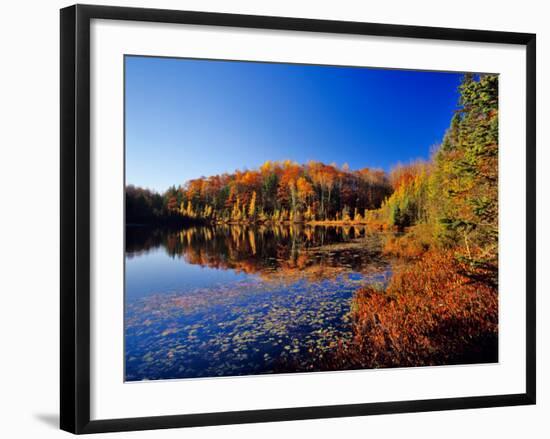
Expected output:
(293, 300)
(264, 250)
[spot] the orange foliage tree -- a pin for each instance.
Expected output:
(280, 191)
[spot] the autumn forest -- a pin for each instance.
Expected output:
(412, 255)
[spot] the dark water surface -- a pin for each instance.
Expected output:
(212, 301)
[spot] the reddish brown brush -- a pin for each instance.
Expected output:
(431, 314)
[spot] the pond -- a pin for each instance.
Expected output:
(227, 300)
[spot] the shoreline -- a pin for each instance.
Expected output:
(204, 222)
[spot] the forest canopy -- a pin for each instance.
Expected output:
(277, 191)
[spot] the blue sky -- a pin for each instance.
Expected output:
(192, 118)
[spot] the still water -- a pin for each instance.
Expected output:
(232, 300)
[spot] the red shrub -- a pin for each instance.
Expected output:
(432, 313)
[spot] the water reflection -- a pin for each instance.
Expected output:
(237, 300)
(262, 249)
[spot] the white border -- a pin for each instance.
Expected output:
(111, 398)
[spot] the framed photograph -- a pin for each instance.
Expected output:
(268, 218)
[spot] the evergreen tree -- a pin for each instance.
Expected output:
(466, 176)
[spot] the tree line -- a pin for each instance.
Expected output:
(279, 191)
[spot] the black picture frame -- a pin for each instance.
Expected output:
(75, 218)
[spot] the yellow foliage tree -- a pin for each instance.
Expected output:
(252, 206)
